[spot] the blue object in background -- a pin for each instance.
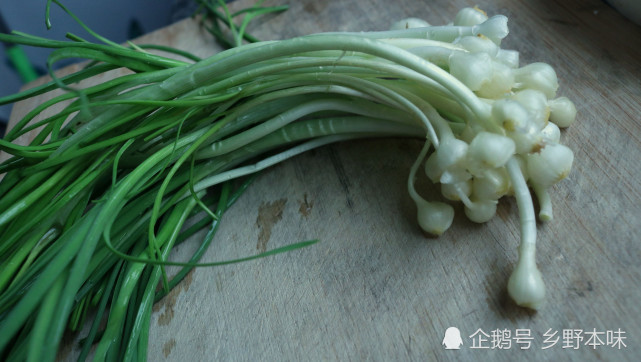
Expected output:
(117, 20)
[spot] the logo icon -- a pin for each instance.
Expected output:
(452, 339)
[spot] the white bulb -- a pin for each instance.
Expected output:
(488, 150)
(492, 184)
(526, 141)
(450, 158)
(526, 286)
(500, 83)
(539, 76)
(454, 190)
(472, 69)
(551, 133)
(536, 104)
(508, 57)
(470, 17)
(432, 169)
(434, 217)
(455, 174)
(450, 151)
(481, 211)
(409, 23)
(510, 114)
(475, 44)
(550, 165)
(562, 111)
(494, 28)
(518, 124)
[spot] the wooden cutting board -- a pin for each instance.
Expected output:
(375, 288)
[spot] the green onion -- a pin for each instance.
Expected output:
(91, 209)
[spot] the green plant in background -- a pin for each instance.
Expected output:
(215, 13)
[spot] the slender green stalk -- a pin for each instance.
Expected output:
(93, 331)
(181, 212)
(109, 341)
(38, 340)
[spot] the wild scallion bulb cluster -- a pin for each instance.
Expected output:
(91, 209)
(513, 143)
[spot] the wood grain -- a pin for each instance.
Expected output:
(375, 288)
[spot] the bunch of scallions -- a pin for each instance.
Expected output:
(91, 208)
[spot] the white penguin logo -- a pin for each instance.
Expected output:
(452, 339)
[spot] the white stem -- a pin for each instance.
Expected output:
(270, 161)
(526, 284)
(409, 43)
(433, 217)
(410, 180)
(266, 127)
(525, 205)
(545, 203)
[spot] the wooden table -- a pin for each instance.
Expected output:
(375, 288)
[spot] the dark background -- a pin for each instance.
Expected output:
(118, 20)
